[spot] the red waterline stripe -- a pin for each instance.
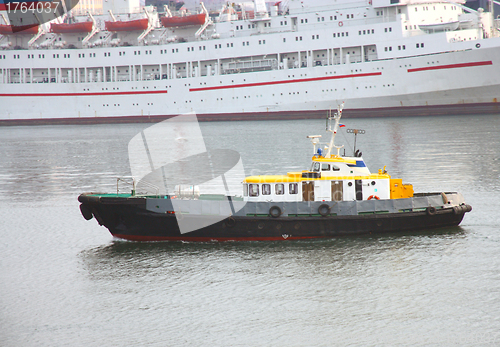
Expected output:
(451, 66)
(285, 82)
(208, 239)
(88, 94)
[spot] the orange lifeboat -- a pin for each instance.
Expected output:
(131, 25)
(80, 27)
(21, 29)
(172, 22)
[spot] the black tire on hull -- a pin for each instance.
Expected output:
(275, 212)
(86, 212)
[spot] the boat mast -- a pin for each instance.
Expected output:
(337, 117)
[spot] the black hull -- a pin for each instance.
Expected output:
(128, 219)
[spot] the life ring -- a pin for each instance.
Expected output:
(341, 24)
(230, 222)
(431, 210)
(373, 197)
(324, 210)
(86, 212)
(275, 211)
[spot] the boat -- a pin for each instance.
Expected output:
(71, 28)
(336, 196)
(20, 30)
(287, 61)
(131, 25)
(182, 21)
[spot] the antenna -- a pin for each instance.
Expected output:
(356, 132)
(336, 117)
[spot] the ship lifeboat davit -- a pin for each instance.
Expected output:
(172, 22)
(131, 25)
(21, 29)
(63, 28)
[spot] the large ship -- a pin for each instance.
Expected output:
(294, 58)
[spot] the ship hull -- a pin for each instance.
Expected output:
(130, 219)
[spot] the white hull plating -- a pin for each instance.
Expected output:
(396, 73)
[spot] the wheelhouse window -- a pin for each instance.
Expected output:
(266, 189)
(293, 188)
(280, 189)
(253, 189)
(335, 168)
(245, 190)
(325, 167)
(315, 167)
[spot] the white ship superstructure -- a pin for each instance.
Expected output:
(295, 59)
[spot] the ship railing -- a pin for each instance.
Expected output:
(130, 183)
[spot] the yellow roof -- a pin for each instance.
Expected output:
(297, 177)
(335, 159)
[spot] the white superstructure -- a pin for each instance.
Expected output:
(300, 58)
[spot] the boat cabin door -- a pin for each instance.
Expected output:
(337, 191)
(308, 191)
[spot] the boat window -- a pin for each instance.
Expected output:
(335, 168)
(325, 167)
(245, 190)
(293, 188)
(266, 189)
(253, 189)
(280, 189)
(316, 166)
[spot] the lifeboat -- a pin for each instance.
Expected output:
(22, 29)
(131, 25)
(172, 22)
(81, 27)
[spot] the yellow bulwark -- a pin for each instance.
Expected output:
(400, 190)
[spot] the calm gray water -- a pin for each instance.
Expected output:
(66, 282)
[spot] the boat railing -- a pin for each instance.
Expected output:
(143, 185)
(128, 182)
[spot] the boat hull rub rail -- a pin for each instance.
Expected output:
(138, 222)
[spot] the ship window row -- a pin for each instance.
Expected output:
(267, 25)
(108, 54)
(91, 55)
(388, 30)
(302, 21)
(426, 8)
(317, 37)
(367, 32)
(380, 13)
(284, 22)
(121, 53)
(251, 26)
(420, 45)
(324, 167)
(16, 56)
(262, 42)
(2, 56)
(341, 34)
(254, 190)
(414, 27)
